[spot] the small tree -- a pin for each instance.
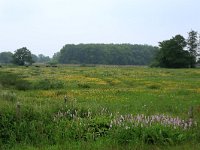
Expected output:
(6, 57)
(56, 57)
(22, 57)
(43, 59)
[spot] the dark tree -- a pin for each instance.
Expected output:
(56, 57)
(6, 57)
(110, 54)
(192, 45)
(172, 53)
(22, 57)
(34, 57)
(43, 59)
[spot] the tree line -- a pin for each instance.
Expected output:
(176, 52)
(22, 57)
(110, 54)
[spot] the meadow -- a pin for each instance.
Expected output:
(99, 107)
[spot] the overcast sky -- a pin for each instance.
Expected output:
(45, 26)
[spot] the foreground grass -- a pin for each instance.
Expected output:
(102, 91)
(109, 146)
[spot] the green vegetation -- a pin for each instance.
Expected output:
(193, 43)
(178, 52)
(6, 57)
(22, 57)
(172, 53)
(41, 58)
(113, 54)
(102, 107)
(110, 54)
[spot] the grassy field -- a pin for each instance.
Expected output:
(102, 107)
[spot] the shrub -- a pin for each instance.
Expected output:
(47, 84)
(83, 85)
(154, 135)
(8, 79)
(154, 87)
(23, 85)
(125, 136)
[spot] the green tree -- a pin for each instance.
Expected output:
(172, 53)
(43, 59)
(192, 45)
(198, 47)
(34, 57)
(6, 57)
(22, 57)
(56, 57)
(111, 54)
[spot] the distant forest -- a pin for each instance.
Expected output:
(177, 52)
(107, 54)
(110, 54)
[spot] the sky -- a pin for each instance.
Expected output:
(45, 26)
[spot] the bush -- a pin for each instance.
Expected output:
(23, 85)
(154, 135)
(8, 79)
(83, 85)
(153, 87)
(11, 80)
(47, 84)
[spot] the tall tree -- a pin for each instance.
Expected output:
(22, 57)
(198, 47)
(192, 45)
(172, 53)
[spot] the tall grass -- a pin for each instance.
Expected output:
(92, 106)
